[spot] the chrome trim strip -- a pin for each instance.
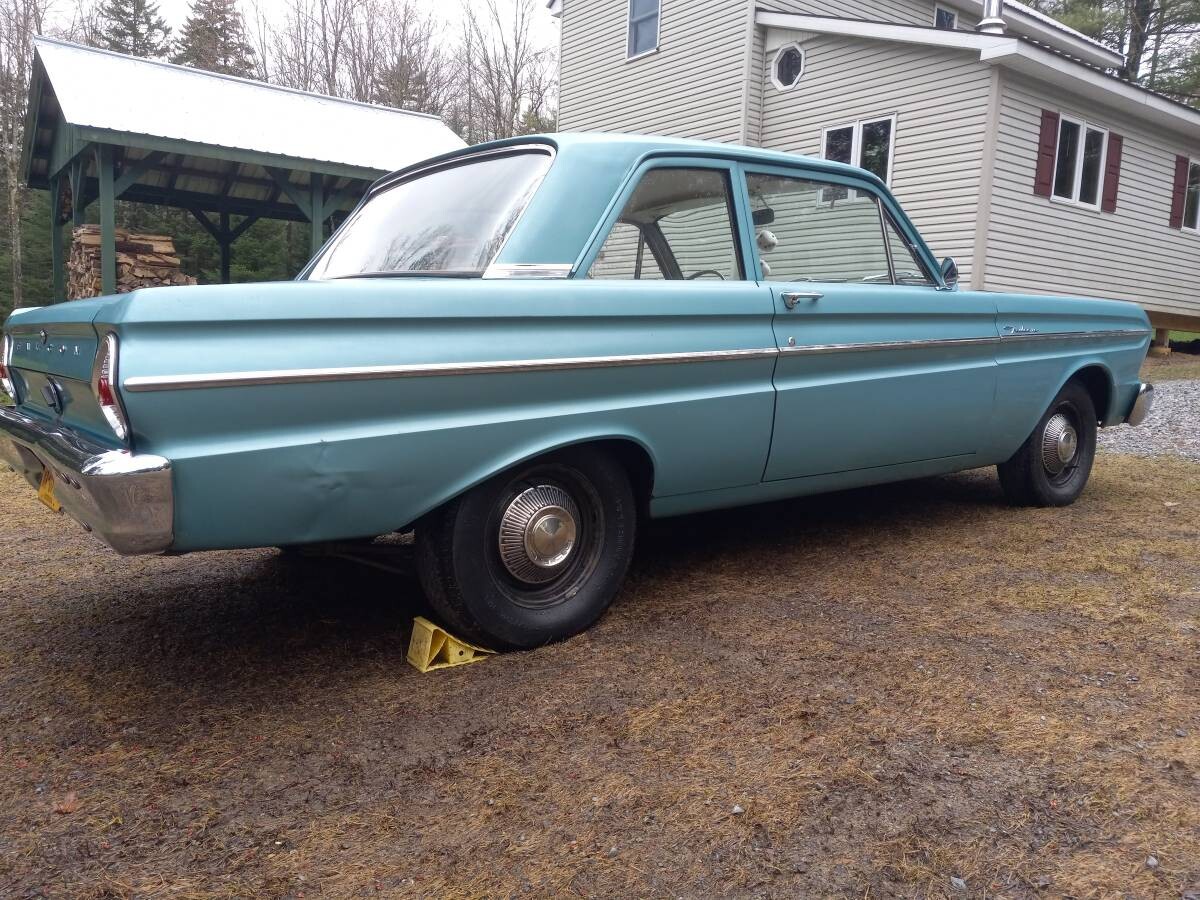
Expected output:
(143, 383)
(1076, 335)
(890, 345)
(529, 270)
(421, 370)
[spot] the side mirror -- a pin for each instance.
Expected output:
(950, 272)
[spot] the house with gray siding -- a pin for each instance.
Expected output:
(1005, 134)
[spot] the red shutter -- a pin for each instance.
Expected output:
(1179, 191)
(1112, 173)
(1047, 145)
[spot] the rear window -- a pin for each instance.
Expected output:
(450, 221)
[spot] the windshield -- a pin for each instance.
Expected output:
(451, 221)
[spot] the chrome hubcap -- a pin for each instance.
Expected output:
(538, 533)
(1060, 442)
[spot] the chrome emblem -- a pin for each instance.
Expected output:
(1019, 329)
(45, 337)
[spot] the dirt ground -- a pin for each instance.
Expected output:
(904, 691)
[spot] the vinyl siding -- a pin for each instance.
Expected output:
(1041, 246)
(940, 98)
(692, 86)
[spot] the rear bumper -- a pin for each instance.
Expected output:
(125, 499)
(1142, 405)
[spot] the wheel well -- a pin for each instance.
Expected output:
(637, 464)
(1097, 383)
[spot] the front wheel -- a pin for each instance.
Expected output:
(1053, 465)
(531, 556)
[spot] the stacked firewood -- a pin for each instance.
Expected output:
(143, 260)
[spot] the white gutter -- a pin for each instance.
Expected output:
(904, 34)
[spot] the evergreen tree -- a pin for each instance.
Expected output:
(133, 27)
(214, 38)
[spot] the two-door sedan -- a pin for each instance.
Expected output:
(520, 349)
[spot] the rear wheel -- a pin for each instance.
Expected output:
(531, 556)
(1053, 465)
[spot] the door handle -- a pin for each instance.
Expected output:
(791, 298)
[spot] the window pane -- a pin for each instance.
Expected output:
(839, 147)
(945, 19)
(643, 26)
(789, 66)
(1093, 152)
(813, 240)
(690, 210)
(626, 255)
(876, 147)
(1068, 152)
(452, 220)
(839, 144)
(906, 263)
(1191, 213)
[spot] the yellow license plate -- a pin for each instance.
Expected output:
(46, 491)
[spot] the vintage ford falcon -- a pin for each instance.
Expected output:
(521, 348)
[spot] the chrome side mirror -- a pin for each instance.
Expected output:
(950, 272)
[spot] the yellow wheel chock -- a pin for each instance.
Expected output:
(435, 648)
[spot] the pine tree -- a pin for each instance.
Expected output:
(214, 38)
(133, 27)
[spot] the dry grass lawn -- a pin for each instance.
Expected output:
(896, 687)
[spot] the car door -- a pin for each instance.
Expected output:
(667, 275)
(879, 364)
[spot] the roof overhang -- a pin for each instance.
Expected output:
(1036, 26)
(1013, 53)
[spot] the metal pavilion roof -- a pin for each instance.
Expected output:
(105, 126)
(105, 91)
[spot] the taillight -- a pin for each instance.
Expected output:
(105, 385)
(6, 380)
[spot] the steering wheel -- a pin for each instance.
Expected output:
(696, 275)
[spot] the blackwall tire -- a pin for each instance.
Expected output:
(531, 556)
(1054, 464)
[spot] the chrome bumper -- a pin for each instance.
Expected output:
(123, 498)
(1142, 405)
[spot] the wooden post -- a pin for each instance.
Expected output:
(58, 292)
(108, 220)
(226, 248)
(316, 202)
(78, 204)
(1162, 342)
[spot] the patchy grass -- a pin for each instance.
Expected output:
(897, 686)
(1175, 367)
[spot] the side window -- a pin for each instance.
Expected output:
(809, 239)
(684, 218)
(906, 263)
(626, 255)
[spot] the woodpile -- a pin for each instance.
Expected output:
(143, 260)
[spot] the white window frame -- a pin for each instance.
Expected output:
(1084, 127)
(791, 45)
(1191, 229)
(951, 12)
(856, 141)
(629, 54)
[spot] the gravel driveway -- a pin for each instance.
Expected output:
(1172, 429)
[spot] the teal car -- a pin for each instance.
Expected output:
(521, 349)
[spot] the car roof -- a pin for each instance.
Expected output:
(630, 148)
